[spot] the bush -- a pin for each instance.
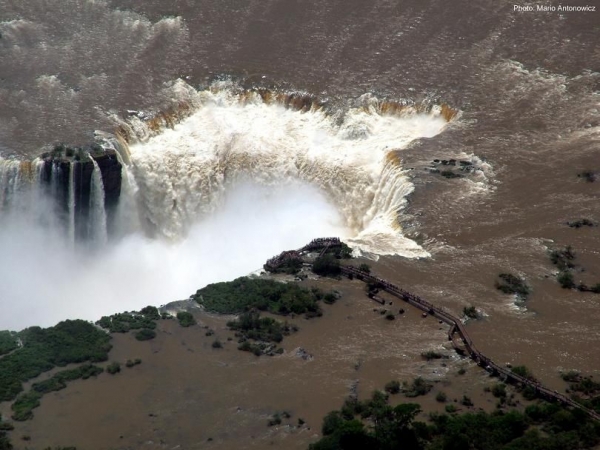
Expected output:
(130, 363)
(418, 387)
(326, 266)
(71, 341)
(145, 334)
(113, 368)
(186, 319)
(431, 354)
(365, 268)
(565, 279)
(217, 344)
(393, 387)
(466, 401)
(470, 312)
(243, 294)
(499, 390)
(441, 397)
(251, 325)
(390, 316)
(512, 284)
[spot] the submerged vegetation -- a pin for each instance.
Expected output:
(244, 294)
(512, 284)
(25, 403)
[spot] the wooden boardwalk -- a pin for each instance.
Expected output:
(457, 328)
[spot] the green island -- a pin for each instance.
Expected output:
(244, 293)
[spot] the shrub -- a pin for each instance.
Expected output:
(450, 409)
(565, 279)
(466, 401)
(512, 284)
(243, 294)
(145, 334)
(186, 319)
(390, 316)
(470, 312)
(462, 371)
(418, 387)
(441, 397)
(393, 387)
(499, 390)
(217, 344)
(365, 268)
(71, 341)
(113, 368)
(326, 266)
(130, 363)
(431, 354)
(275, 420)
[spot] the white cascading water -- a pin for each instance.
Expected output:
(184, 172)
(72, 202)
(209, 200)
(97, 223)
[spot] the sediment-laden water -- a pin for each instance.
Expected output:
(225, 115)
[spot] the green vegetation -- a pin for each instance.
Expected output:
(25, 403)
(71, 341)
(185, 319)
(466, 401)
(565, 279)
(133, 362)
(113, 368)
(375, 425)
(217, 344)
(524, 372)
(251, 325)
(365, 268)
(275, 420)
(393, 387)
(124, 322)
(418, 387)
(499, 390)
(8, 342)
(431, 354)
(588, 175)
(512, 284)
(441, 397)
(563, 259)
(59, 380)
(450, 174)
(145, 334)
(245, 293)
(470, 312)
(291, 266)
(326, 266)
(581, 223)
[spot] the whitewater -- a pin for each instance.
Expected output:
(208, 198)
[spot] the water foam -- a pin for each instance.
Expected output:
(183, 172)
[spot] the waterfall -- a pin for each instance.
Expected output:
(97, 223)
(71, 206)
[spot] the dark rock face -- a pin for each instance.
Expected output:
(55, 176)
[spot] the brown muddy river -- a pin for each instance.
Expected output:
(526, 87)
